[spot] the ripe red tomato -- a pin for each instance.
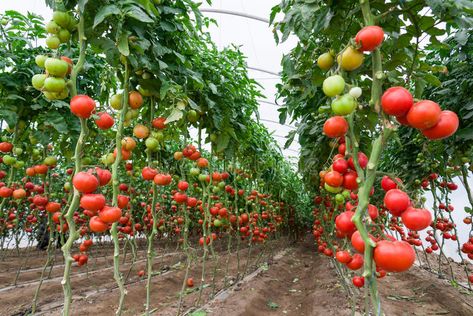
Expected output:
(6, 147)
(180, 197)
(396, 201)
(159, 122)
(190, 282)
(82, 106)
(362, 161)
(85, 182)
(104, 175)
(388, 184)
(6, 192)
(162, 179)
(96, 225)
(343, 256)
(340, 165)
(357, 242)
(369, 37)
(183, 185)
(424, 114)
(344, 224)
(356, 262)
(446, 126)
(335, 126)
(349, 180)
(416, 218)
(394, 256)
(105, 120)
(372, 211)
(41, 169)
(53, 207)
(358, 281)
(148, 173)
(110, 214)
(333, 178)
(397, 101)
(123, 201)
(202, 163)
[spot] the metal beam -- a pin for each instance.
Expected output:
(264, 70)
(244, 15)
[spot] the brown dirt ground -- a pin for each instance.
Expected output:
(290, 280)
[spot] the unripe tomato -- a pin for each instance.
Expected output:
(325, 61)
(343, 105)
(350, 59)
(116, 101)
(333, 85)
(56, 67)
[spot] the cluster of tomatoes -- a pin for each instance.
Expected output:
(53, 83)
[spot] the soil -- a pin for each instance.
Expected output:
(282, 279)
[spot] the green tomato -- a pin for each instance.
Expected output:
(50, 161)
(325, 61)
(332, 189)
(221, 184)
(67, 186)
(346, 194)
(38, 81)
(64, 36)
(40, 59)
(53, 84)
(52, 27)
(192, 116)
(36, 152)
(213, 137)
(152, 143)
(202, 177)
(339, 198)
(17, 151)
(333, 85)
(217, 223)
(116, 101)
(56, 67)
(194, 172)
(19, 164)
(33, 139)
(53, 42)
(160, 136)
(87, 161)
(343, 105)
(215, 189)
(9, 160)
(63, 19)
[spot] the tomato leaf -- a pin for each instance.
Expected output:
(123, 47)
(104, 12)
(137, 13)
(175, 115)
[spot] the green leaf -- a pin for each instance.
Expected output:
(175, 115)
(55, 120)
(194, 105)
(123, 47)
(199, 313)
(433, 80)
(137, 13)
(82, 4)
(104, 12)
(465, 133)
(10, 117)
(213, 88)
(222, 141)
